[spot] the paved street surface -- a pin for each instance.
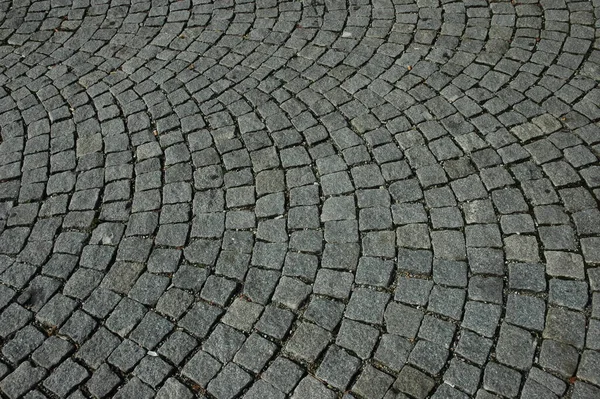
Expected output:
(308, 199)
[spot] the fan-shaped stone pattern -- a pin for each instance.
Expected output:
(305, 199)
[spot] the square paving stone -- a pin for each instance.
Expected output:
(201, 368)
(261, 389)
(272, 230)
(515, 347)
(428, 356)
(96, 349)
(483, 235)
(451, 273)
(148, 288)
(486, 289)
(269, 255)
(12, 240)
(275, 322)
(403, 320)
(468, 188)
(65, 377)
(103, 381)
(310, 387)
(481, 317)
(408, 213)
(336, 183)
(218, 290)
(223, 343)
(340, 256)
(415, 261)
(97, 257)
(558, 357)
(134, 249)
(190, 277)
(56, 311)
(229, 382)
(447, 217)
(82, 283)
(357, 337)
(203, 252)
(568, 293)
(255, 353)
(367, 305)
(121, 276)
(406, 191)
(13, 318)
(174, 389)
(79, 326)
(338, 208)
(528, 277)
(557, 237)
(554, 384)
(448, 244)
(242, 314)
(473, 347)
(125, 316)
(174, 302)
(172, 235)
(18, 274)
(593, 335)
(207, 225)
(435, 330)
(522, 248)
(502, 380)
(283, 374)
(341, 231)
(291, 292)
(151, 330)
(414, 291)
(372, 383)
(52, 352)
(374, 271)
(376, 218)
(300, 264)
(22, 344)
(591, 247)
(21, 380)
(583, 390)
(380, 243)
(414, 382)
(463, 375)
(152, 370)
(517, 223)
(525, 311)
(7, 294)
(134, 388)
(70, 243)
(338, 367)
(565, 326)
(447, 301)
(587, 222)
(233, 264)
(177, 346)
(336, 284)
(324, 312)
(486, 261)
(414, 235)
(308, 341)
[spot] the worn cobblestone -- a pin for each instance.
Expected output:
(310, 199)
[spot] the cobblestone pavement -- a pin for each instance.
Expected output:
(310, 199)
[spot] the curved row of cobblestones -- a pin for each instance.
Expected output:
(305, 199)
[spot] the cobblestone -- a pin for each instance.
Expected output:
(307, 199)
